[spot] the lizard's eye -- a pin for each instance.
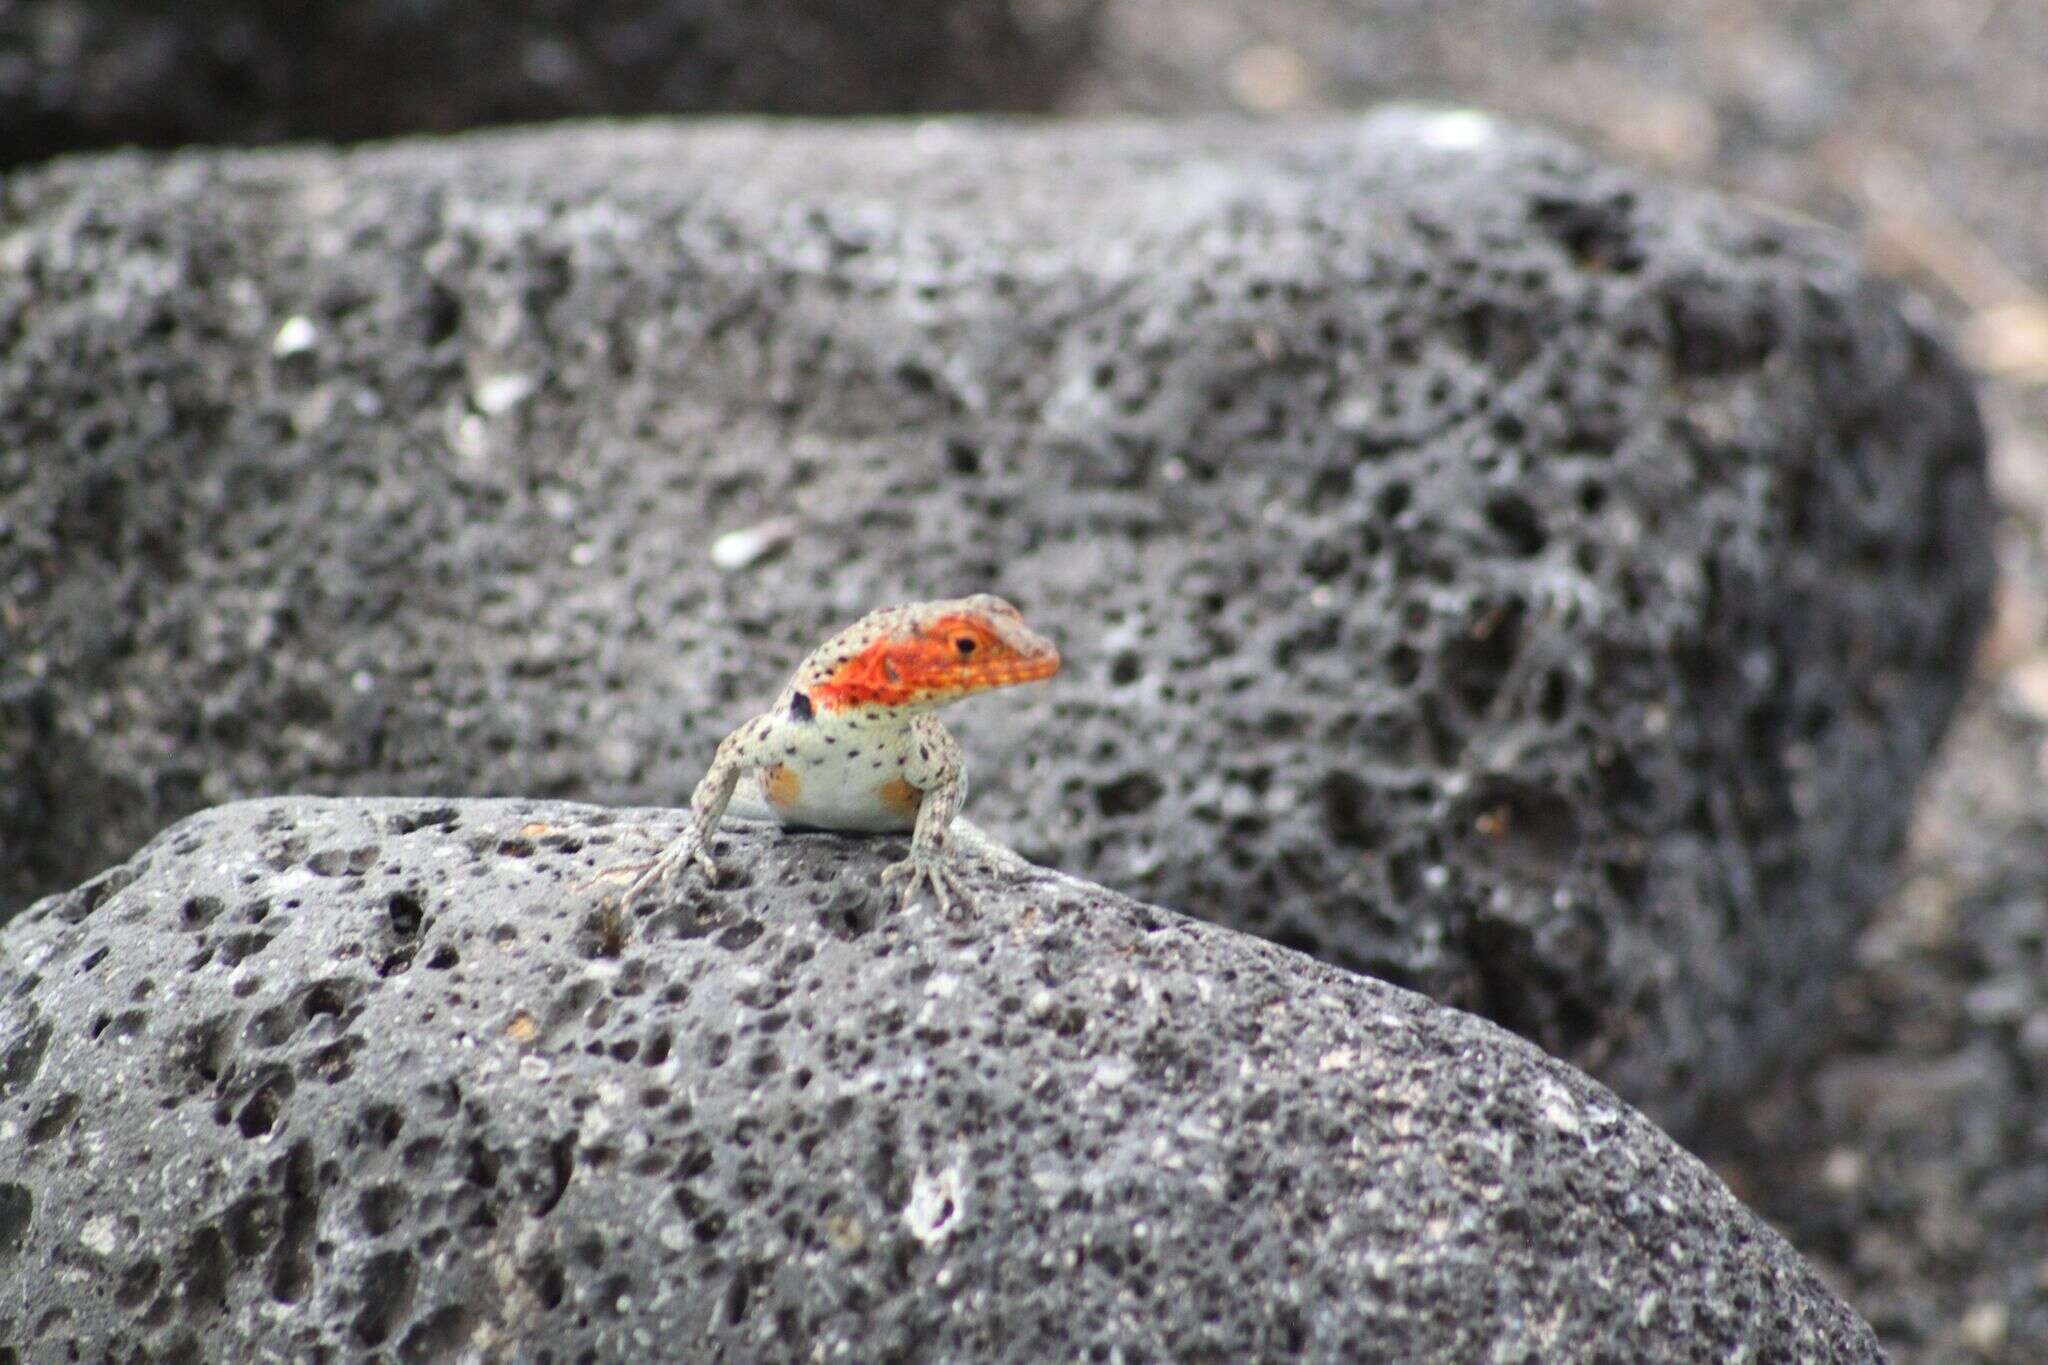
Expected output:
(964, 645)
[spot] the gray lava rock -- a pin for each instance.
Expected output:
(316, 1079)
(1478, 567)
(140, 72)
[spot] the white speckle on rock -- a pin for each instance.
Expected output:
(1456, 130)
(942, 985)
(497, 394)
(748, 545)
(295, 336)
(936, 1204)
(101, 1235)
(1560, 1110)
(1337, 1059)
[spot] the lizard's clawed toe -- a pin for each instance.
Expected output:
(667, 864)
(933, 870)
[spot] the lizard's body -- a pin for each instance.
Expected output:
(852, 742)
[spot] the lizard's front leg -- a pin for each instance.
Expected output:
(707, 808)
(935, 767)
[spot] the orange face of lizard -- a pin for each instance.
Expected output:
(935, 654)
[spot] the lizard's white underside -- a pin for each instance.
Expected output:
(969, 838)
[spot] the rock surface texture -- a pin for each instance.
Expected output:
(1911, 1161)
(384, 1080)
(124, 72)
(1476, 566)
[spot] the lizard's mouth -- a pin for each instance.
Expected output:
(1024, 670)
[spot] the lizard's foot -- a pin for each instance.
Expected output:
(682, 853)
(936, 870)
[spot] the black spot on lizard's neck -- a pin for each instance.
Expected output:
(800, 706)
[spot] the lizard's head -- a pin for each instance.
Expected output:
(929, 654)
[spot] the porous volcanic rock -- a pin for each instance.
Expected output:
(1910, 1159)
(125, 72)
(1477, 566)
(312, 1079)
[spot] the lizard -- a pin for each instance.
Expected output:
(852, 743)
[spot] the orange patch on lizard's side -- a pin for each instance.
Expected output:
(781, 786)
(898, 795)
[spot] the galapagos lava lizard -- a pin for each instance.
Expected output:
(853, 744)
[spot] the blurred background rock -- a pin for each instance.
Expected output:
(89, 73)
(1912, 1162)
